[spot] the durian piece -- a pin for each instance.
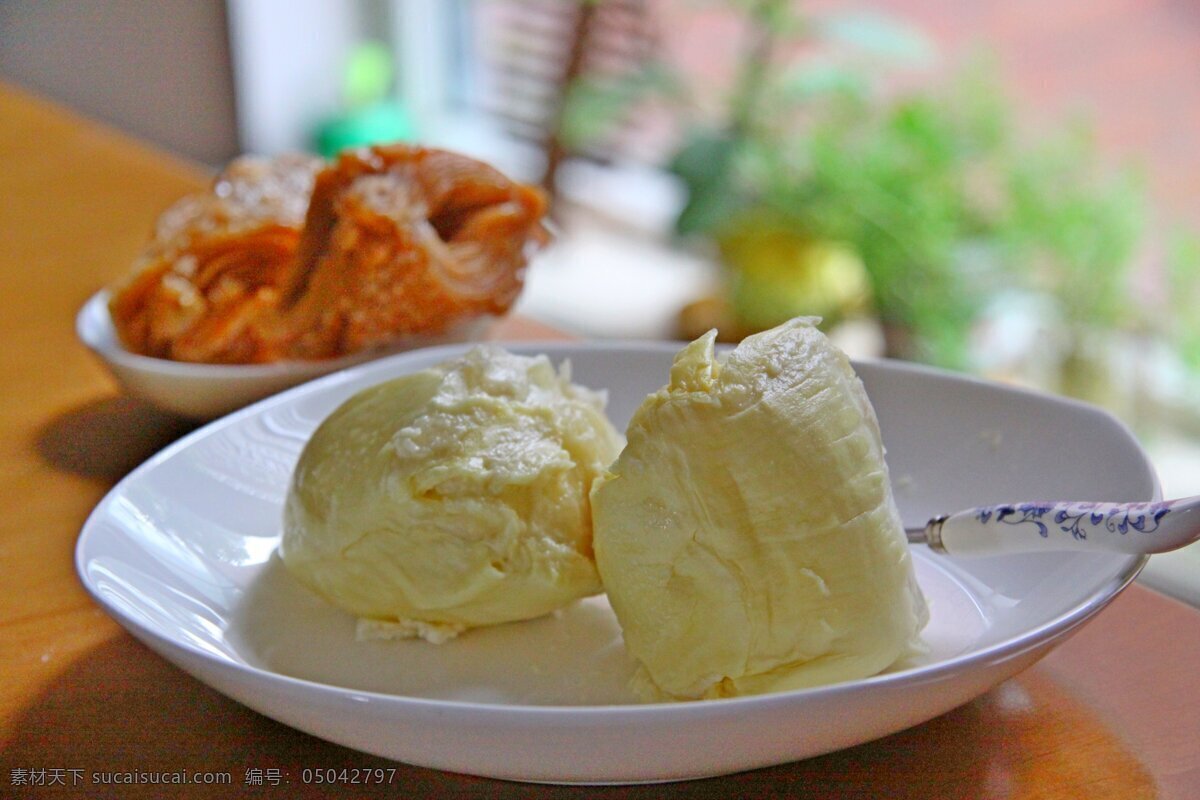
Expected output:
(452, 498)
(747, 536)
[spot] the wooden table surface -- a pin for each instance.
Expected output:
(1113, 713)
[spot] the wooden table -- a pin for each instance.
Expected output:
(1113, 713)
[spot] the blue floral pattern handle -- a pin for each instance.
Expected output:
(1153, 527)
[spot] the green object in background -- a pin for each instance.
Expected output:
(371, 116)
(934, 194)
(379, 122)
(777, 272)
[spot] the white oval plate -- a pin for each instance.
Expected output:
(182, 553)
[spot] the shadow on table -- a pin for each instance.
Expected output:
(107, 438)
(121, 708)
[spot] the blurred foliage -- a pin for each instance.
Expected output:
(595, 106)
(936, 190)
(1077, 230)
(1183, 285)
(903, 184)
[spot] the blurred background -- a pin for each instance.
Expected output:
(1009, 188)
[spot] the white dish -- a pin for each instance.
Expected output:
(206, 391)
(181, 552)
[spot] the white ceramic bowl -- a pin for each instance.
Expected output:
(206, 391)
(182, 553)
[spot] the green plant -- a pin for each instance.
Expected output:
(1075, 229)
(909, 185)
(1183, 285)
(721, 161)
(933, 189)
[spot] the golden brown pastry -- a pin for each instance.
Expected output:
(295, 258)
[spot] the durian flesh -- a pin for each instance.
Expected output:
(452, 498)
(747, 536)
